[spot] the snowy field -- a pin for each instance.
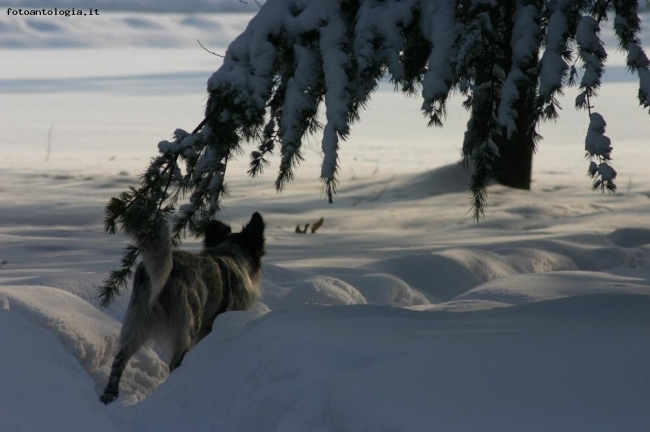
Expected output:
(400, 314)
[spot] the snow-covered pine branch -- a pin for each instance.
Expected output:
(627, 26)
(553, 64)
(298, 54)
(297, 57)
(442, 32)
(480, 55)
(334, 47)
(525, 43)
(598, 146)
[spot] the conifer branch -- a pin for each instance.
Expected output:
(287, 65)
(131, 208)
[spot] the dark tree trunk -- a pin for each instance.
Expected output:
(514, 167)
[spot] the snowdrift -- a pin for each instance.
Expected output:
(411, 326)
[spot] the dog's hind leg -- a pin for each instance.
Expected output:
(136, 330)
(133, 335)
(112, 388)
(131, 339)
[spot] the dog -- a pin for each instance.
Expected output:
(177, 294)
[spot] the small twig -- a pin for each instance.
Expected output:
(589, 107)
(49, 143)
(211, 52)
(629, 186)
(256, 1)
(169, 181)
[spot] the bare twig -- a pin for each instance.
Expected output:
(49, 143)
(211, 52)
(256, 1)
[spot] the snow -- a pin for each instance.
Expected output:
(400, 313)
(384, 369)
(553, 67)
(596, 143)
(37, 373)
(525, 34)
(438, 78)
(89, 336)
(591, 51)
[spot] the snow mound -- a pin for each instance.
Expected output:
(461, 306)
(286, 288)
(489, 265)
(447, 179)
(323, 290)
(438, 277)
(87, 334)
(385, 290)
(375, 368)
(529, 288)
(38, 375)
(630, 237)
(81, 284)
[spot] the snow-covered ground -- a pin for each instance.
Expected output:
(400, 314)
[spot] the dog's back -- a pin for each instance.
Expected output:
(225, 276)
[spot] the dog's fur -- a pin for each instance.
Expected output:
(177, 295)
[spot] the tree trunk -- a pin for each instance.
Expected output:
(514, 167)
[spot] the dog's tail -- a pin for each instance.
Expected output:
(156, 251)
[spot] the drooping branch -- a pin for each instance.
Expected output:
(597, 146)
(142, 209)
(304, 92)
(524, 43)
(627, 26)
(440, 77)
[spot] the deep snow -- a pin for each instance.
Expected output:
(401, 313)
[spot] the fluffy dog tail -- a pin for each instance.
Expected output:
(156, 251)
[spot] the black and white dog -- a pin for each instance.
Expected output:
(177, 295)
